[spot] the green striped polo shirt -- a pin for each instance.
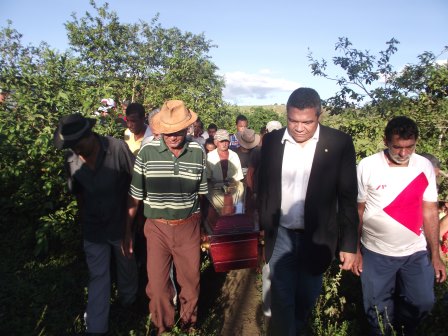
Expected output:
(168, 185)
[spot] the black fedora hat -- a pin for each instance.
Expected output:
(71, 129)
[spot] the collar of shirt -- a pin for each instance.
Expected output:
(289, 138)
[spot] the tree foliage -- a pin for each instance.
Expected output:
(361, 69)
(144, 62)
(259, 116)
(148, 63)
(364, 104)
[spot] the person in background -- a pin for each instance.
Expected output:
(121, 115)
(134, 137)
(6, 100)
(270, 127)
(263, 132)
(4, 95)
(248, 140)
(443, 232)
(124, 105)
(107, 107)
(154, 136)
(398, 257)
(307, 208)
(99, 171)
(273, 125)
(106, 111)
(137, 129)
(211, 130)
(443, 218)
(253, 172)
(223, 164)
(241, 124)
(209, 145)
(435, 163)
(198, 132)
(169, 176)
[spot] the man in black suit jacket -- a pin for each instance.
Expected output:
(308, 209)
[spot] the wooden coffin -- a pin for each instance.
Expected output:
(231, 233)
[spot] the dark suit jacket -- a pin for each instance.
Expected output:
(331, 217)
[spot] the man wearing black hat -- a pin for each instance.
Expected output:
(99, 174)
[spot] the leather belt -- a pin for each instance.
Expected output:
(175, 222)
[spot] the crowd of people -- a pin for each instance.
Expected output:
(141, 200)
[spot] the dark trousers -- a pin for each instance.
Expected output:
(398, 291)
(179, 244)
(294, 290)
(98, 257)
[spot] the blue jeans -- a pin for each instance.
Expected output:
(398, 289)
(98, 258)
(294, 290)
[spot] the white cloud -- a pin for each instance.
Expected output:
(260, 88)
(266, 71)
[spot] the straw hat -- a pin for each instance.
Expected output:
(173, 117)
(248, 139)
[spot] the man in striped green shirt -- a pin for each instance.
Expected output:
(169, 177)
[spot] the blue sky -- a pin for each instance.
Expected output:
(262, 46)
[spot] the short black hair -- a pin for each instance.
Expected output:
(240, 117)
(303, 98)
(199, 121)
(135, 108)
(212, 126)
(209, 141)
(404, 127)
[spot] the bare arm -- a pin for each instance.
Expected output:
(431, 229)
(127, 247)
(357, 265)
(250, 177)
(361, 209)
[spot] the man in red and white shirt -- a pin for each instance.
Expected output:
(397, 206)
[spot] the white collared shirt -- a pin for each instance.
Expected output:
(296, 169)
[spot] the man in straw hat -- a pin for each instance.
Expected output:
(169, 176)
(99, 171)
(248, 141)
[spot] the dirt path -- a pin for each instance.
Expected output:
(237, 303)
(243, 313)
